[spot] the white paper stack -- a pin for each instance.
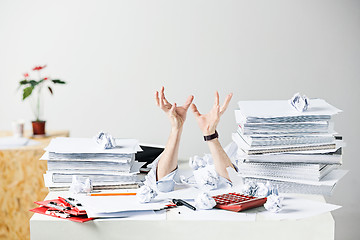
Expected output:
(295, 149)
(83, 157)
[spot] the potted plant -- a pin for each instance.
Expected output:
(32, 89)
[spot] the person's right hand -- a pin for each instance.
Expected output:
(177, 115)
(208, 122)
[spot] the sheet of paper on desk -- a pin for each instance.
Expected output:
(185, 193)
(12, 142)
(113, 204)
(89, 145)
(131, 215)
(211, 215)
(297, 208)
(190, 193)
(282, 108)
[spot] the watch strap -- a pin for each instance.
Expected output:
(211, 137)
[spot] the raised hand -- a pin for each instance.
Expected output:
(176, 114)
(209, 121)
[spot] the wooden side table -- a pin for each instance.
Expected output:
(21, 183)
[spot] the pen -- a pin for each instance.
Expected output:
(180, 202)
(112, 194)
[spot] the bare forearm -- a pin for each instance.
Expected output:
(221, 159)
(169, 158)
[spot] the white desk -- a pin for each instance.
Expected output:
(318, 227)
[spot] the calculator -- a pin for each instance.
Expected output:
(237, 202)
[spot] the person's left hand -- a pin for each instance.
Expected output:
(209, 121)
(177, 115)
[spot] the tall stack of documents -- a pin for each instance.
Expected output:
(84, 158)
(298, 151)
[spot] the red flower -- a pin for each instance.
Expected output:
(26, 75)
(46, 78)
(38, 68)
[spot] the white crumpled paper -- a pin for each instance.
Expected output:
(274, 203)
(148, 191)
(207, 177)
(259, 189)
(249, 188)
(300, 103)
(204, 173)
(197, 162)
(79, 185)
(105, 140)
(146, 194)
(186, 180)
(263, 190)
(204, 201)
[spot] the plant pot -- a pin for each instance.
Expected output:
(38, 128)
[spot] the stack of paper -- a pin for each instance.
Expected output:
(276, 142)
(83, 157)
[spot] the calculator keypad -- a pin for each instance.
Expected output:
(237, 202)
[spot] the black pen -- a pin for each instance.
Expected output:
(180, 202)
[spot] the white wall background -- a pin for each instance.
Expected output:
(115, 54)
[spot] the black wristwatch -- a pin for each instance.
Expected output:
(211, 137)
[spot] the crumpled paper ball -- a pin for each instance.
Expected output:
(204, 201)
(80, 186)
(206, 177)
(250, 188)
(146, 194)
(300, 103)
(150, 179)
(274, 190)
(105, 140)
(262, 190)
(186, 180)
(259, 189)
(274, 203)
(197, 162)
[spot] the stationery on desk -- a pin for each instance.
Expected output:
(297, 151)
(111, 194)
(127, 207)
(107, 168)
(65, 208)
(82, 157)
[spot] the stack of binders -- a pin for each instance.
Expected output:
(84, 158)
(297, 151)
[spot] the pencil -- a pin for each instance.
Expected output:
(112, 194)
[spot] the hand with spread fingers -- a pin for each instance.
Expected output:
(167, 163)
(176, 114)
(208, 122)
